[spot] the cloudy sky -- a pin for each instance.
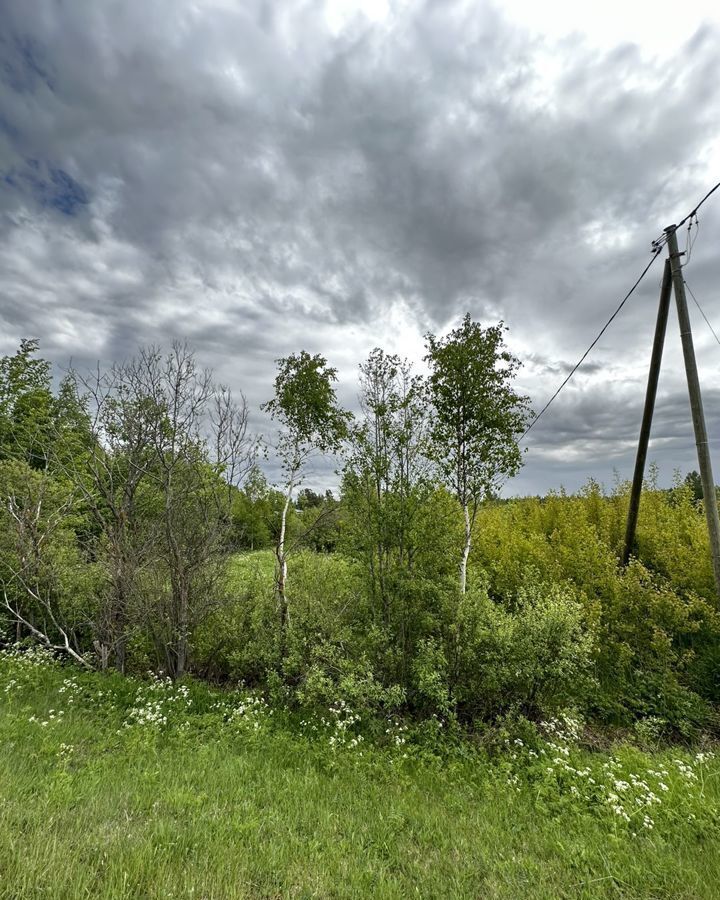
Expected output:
(260, 177)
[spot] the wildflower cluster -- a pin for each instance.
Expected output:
(566, 728)
(23, 668)
(65, 752)
(339, 729)
(70, 689)
(157, 702)
(344, 735)
(53, 716)
(20, 666)
(624, 787)
(650, 729)
(397, 734)
(631, 796)
(32, 657)
(246, 712)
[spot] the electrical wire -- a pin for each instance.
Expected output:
(707, 321)
(693, 212)
(656, 253)
(662, 240)
(689, 239)
(656, 246)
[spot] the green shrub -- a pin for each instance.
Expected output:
(533, 654)
(658, 647)
(238, 641)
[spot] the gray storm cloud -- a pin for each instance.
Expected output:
(241, 176)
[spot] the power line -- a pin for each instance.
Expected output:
(701, 312)
(693, 212)
(657, 246)
(689, 240)
(656, 253)
(662, 240)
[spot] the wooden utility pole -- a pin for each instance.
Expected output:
(650, 395)
(698, 417)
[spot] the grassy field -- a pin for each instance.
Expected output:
(113, 787)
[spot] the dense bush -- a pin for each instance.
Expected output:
(656, 621)
(532, 654)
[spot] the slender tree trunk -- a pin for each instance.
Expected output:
(375, 515)
(183, 628)
(119, 639)
(118, 625)
(466, 549)
(102, 651)
(120, 654)
(281, 579)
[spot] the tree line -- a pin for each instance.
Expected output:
(138, 531)
(127, 491)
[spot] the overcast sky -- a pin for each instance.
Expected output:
(261, 177)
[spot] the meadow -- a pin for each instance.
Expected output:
(117, 787)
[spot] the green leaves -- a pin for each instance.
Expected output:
(306, 408)
(477, 413)
(32, 419)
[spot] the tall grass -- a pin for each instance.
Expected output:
(122, 788)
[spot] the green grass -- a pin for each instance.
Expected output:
(250, 565)
(219, 808)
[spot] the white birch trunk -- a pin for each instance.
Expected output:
(466, 549)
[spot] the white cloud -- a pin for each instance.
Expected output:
(660, 28)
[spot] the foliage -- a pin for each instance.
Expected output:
(310, 420)
(238, 640)
(124, 503)
(48, 589)
(656, 621)
(131, 473)
(26, 405)
(386, 484)
(477, 416)
(306, 409)
(532, 654)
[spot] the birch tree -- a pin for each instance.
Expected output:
(311, 422)
(477, 416)
(386, 473)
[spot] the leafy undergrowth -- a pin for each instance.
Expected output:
(114, 787)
